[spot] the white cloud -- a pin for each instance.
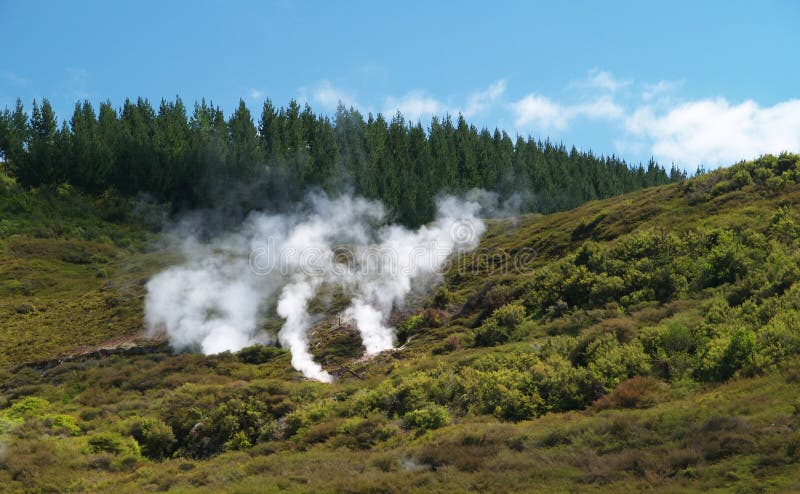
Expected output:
(540, 112)
(645, 118)
(480, 101)
(660, 88)
(712, 132)
(545, 114)
(601, 108)
(602, 80)
(256, 94)
(716, 132)
(329, 97)
(414, 105)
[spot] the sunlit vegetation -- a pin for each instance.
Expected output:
(651, 343)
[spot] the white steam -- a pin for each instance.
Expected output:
(215, 300)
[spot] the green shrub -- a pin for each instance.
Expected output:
(717, 311)
(155, 438)
(259, 354)
(612, 363)
(428, 418)
(66, 423)
(364, 432)
(490, 334)
(778, 339)
(742, 178)
(508, 394)
(28, 407)
(500, 326)
(109, 442)
(442, 298)
(727, 354)
(237, 442)
(725, 263)
(783, 225)
(7, 424)
(722, 187)
(310, 414)
(408, 327)
(509, 315)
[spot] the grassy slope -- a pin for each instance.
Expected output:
(677, 435)
(68, 278)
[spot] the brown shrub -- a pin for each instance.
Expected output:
(433, 318)
(679, 459)
(466, 458)
(636, 392)
(496, 297)
(318, 433)
(721, 436)
(624, 328)
(452, 343)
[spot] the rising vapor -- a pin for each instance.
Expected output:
(214, 300)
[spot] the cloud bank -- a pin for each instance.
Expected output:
(716, 132)
(646, 118)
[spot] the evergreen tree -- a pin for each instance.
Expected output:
(89, 157)
(244, 159)
(15, 135)
(136, 156)
(351, 158)
(206, 161)
(171, 147)
(42, 165)
(208, 153)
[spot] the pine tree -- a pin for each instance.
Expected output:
(90, 159)
(206, 161)
(42, 165)
(16, 133)
(208, 151)
(244, 160)
(351, 160)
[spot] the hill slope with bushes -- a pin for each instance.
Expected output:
(645, 342)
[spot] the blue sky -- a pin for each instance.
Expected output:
(688, 82)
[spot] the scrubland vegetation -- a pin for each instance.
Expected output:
(645, 342)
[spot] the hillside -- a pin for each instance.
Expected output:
(649, 341)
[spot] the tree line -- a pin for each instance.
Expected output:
(203, 159)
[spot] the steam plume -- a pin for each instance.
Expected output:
(216, 299)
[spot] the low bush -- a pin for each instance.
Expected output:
(636, 392)
(259, 354)
(500, 326)
(156, 438)
(428, 418)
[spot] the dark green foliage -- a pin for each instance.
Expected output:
(206, 161)
(442, 298)
(500, 327)
(155, 438)
(259, 354)
(107, 442)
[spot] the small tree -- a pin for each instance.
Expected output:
(154, 437)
